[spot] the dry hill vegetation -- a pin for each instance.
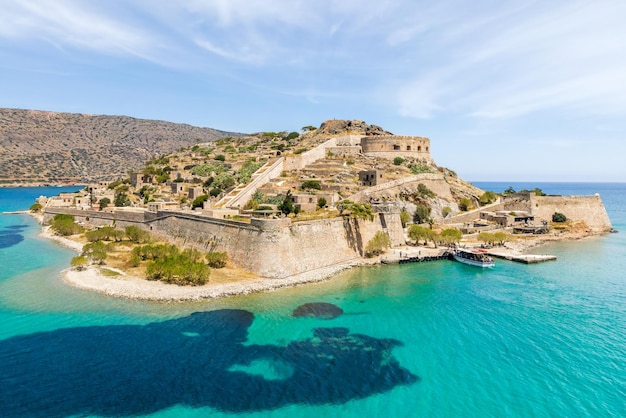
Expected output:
(48, 147)
(226, 162)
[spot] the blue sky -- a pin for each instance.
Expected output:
(512, 91)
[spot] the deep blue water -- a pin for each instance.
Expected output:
(436, 339)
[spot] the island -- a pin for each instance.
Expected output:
(280, 209)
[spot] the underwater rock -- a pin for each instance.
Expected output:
(320, 310)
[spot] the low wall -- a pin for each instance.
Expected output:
(271, 171)
(298, 162)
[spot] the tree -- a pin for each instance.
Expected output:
(198, 202)
(96, 251)
(321, 202)
(450, 236)
(308, 128)
(378, 244)
(65, 225)
(510, 190)
(121, 199)
(486, 238)
(558, 217)
(287, 206)
(35, 207)
(292, 135)
(418, 232)
(104, 203)
(224, 181)
(357, 210)
(79, 262)
(422, 213)
(501, 237)
(398, 161)
(405, 218)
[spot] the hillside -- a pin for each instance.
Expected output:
(50, 147)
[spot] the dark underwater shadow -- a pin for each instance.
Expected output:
(198, 361)
(11, 235)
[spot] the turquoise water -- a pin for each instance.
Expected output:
(437, 339)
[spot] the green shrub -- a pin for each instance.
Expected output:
(180, 269)
(445, 211)
(35, 207)
(424, 191)
(299, 150)
(198, 202)
(217, 260)
(558, 217)
(418, 168)
(311, 184)
(104, 203)
(321, 202)
(136, 234)
(215, 191)
(65, 225)
(398, 161)
(487, 198)
(378, 244)
(465, 204)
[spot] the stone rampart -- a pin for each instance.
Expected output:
(391, 146)
(298, 162)
(271, 248)
(589, 209)
(269, 172)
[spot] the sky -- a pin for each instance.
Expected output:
(513, 90)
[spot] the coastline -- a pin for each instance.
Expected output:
(131, 287)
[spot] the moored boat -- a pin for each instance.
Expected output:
(474, 258)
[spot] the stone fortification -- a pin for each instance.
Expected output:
(298, 162)
(391, 146)
(391, 190)
(589, 209)
(273, 248)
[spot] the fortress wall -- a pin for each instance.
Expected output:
(580, 208)
(270, 248)
(391, 146)
(343, 152)
(98, 218)
(270, 172)
(392, 189)
(298, 162)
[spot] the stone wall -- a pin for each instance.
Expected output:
(298, 162)
(580, 208)
(392, 146)
(273, 248)
(261, 177)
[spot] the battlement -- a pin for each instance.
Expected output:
(391, 146)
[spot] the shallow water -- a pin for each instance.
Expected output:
(434, 339)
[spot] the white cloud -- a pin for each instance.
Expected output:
(570, 55)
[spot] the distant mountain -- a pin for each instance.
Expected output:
(50, 147)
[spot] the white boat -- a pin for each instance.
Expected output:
(474, 258)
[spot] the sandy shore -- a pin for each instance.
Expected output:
(130, 287)
(135, 288)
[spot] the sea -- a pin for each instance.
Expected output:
(438, 339)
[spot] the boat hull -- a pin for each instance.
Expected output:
(475, 263)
